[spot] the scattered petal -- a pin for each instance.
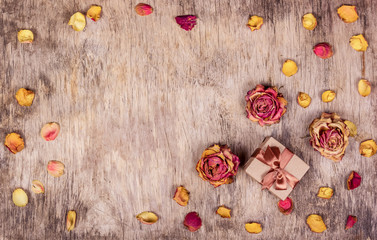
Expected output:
(147, 218)
(255, 23)
(19, 197)
(50, 131)
(328, 96)
(304, 99)
(325, 192)
(186, 22)
(25, 36)
(289, 68)
(192, 221)
(181, 196)
(224, 212)
(24, 97)
(352, 127)
(143, 9)
(71, 220)
(37, 187)
(55, 168)
(253, 227)
(316, 223)
(351, 220)
(348, 13)
(364, 87)
(368, 148)
(94, 13)
(14, 142)
(323, 50)
(309, 21)
(353, 181)
(77, 21)
(286, 206)
(359, 43)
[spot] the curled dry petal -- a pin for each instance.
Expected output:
(37, 187)
(309, 21)
(359, 43)
(224, 212)
(255, 23)
(187, 22)
(323, 50)
(364, 87)
(192, 221)
(71, 220)
(304, 99)
(368, 148)
(25, 36)
(253, 227)
(289, 68)
(351, 220)
(352, 127)
(353, 181)
(316, 223)
(348, 13)
(55, 168)
(24, 97)
(147, 218)
(14, 142)
(20, 198)
(325, 192)
(94, 13)
(285, 206)
(328, 96)
(50, 131)
(181, 196)
(77, 21)
(143, 9)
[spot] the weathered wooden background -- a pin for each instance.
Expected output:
(138, 100)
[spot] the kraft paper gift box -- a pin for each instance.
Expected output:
(294, 166)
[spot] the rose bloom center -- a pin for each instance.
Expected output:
(331, 139)
(264, 105)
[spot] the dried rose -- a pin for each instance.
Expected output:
(309, 21)
(329, 136)
(186, 22)
(37, 187)
(253, 227)
(143, 9)
(359, 43)
(14, 142)
(147, 218)
(25, 36)
(255, 23)
(316, 223)
(181, 196)
(265, 106)
(77, 21)
(223, 211)
(94, 12)
(50, 131)
(328, 96)
(55, 168)
(364, 87)
(352, 127)
(323, 50)
(348, 13)
(289, 68)
(24, 97)
(353, 181)
(192, 221)
(218, 165)
(285, 206)
(71, 220)
(351, 220)
(304, 99)
(368, 148)
(325, 192)
(20, 197)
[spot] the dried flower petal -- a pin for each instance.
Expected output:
(192, 221)
(328, 96)
(368, 148)
(94, 13)
(323, 50)
(316, 223)
(181, 196)
(143, 9)
(25, 36)
(286, 206)
(289, 68)
(77, 21)
(55, 168)
(325, 192)
(352, 127)
(224, 212)
(353, 181)
(364, 87)
(50, 131)
(309, 21)
(186, 22)
(304, 99)
(253, 227)
(37, 187)
(19, 197)
(351, 220)
(359, 43)
(71, 220)
(14, 142)
(24, 97)
(348, 13)
(255, 23)
(147, 218)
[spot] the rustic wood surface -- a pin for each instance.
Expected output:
(138, 100)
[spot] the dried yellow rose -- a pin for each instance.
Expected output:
(304, 99)
(359, 43)
(255, 23)
(348, 13)
(147, 217)
(289, 68)
(25, 36)
(253, 227)
(368, 148)
(94, 13)
(325, 192)
(352, 127)
(316, 223)
(77, 21)
(224, 212)
(71, 220)
(309, 21)
(37, 187)
(328, 96)
(24, 97)
(20, 198)
(364, 87)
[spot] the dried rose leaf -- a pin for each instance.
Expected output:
(359, 43)
(55, 168)
(77, 21)
(328, 96)
(50, 131)
(304, 99)
(255, 23)
(253, 227)
(352, 127)
(309, 21)
(147, 218)
(187, 22)
(94, 12)
(224, 212)
(368, 148)
(24, 97)
(143, 9)
(181, 196)
(25, 36)
(192, 221)
(289, 68)
(351, 220)
(285, 206)
(316, 223)
(37, 187)
(353, 181)
(364, 87)
(14, 142)
(323, 50)
(71, 220)
(20, 198)
(325, 192)
(348, 13)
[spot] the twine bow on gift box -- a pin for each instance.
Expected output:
(277, 161)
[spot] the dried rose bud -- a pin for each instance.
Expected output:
(309, 21)
(14, 142)
(325, 192)
(348, 13)
(25, 36)
(368, 148)
(304, 99)
(94, 12)
(20, 198)
(224, 212)
(253, 227)
(147, 218)
(181, 196)
(364, 87)
(24, 97)
(351, 220)
(353, 180)
(71, 220)
(77, 21)
(328, 96)
(255, 23)
(37, 187)
(143, 9)
(50, 131)
(186, 22)
(192, 221)
(323, 50)
(359, 43)
(285, 206)
(316, 223)
(352, 127)
(55, 168)
(289, 68)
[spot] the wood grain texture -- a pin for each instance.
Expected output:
(138, 100)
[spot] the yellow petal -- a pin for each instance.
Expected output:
(364, 87)
(19, 197)
(181, 196)
(253, 227)
(325, 192)
(309, 21)
(37, 187)
(359, 43)
(289, 68)
(348, 13)
(25, 97)
(147, 217)
(352, 127)
(304, 99)
(71, 220)
(368, 148)
(25, 36)
(77, 21)
(94, 12)
(224, 212)
(316, 223)
(14, 142)
(255, 23)
(328, 96)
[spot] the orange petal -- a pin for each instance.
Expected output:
(147, 217)
(328, 96)
(71, 220)
(255, 23)
(94, 12)
(304, 99)
(348, 13)
(14, 142)
(316, 223)
(25, 36)
(224, 212)
(25, 97)
(253, 227)
(368, 148)
(181, 196)
(50, 131)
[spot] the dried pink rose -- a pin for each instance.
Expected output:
(323, 50)
(192, 221)
(186, 22)
(286, 206)
(351, 220)
(143, 9)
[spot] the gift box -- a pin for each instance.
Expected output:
(276, 168)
